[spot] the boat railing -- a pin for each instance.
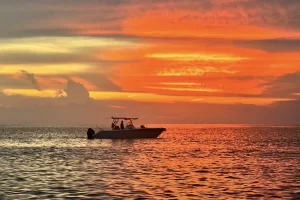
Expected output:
(100, 128)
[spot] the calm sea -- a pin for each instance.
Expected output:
(186, 162)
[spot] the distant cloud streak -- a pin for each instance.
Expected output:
(29, 77)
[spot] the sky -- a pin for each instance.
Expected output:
(164, 61)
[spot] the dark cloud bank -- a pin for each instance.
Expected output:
(78, 108)
(66, 111)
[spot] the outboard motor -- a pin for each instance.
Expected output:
(90, 133)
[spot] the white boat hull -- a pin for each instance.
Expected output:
(129, 133)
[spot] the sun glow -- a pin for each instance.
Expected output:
(181, 83)
(47, 68)
(61, 44)
(32, 93)
(147, 97)
(193, 71)
(185, 89)
(197, 57)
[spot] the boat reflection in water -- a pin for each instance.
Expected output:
(127, 132)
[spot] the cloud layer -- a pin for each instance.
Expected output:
(204, 53)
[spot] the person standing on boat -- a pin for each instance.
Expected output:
(122, 125)
(112, 126)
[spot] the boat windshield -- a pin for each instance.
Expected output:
(129, 125)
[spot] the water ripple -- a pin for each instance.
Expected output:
(185, 163)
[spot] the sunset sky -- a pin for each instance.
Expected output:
(204, 61)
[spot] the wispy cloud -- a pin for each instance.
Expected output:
(196, 57)
(28, 77)
(193, 71)
(196, 89)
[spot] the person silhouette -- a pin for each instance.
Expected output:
(122, 125)
(112, 126)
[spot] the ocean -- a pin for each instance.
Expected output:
(186, 162)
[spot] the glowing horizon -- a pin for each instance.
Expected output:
(147, 97)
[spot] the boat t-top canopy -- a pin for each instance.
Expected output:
(125, 118)
(116, 120)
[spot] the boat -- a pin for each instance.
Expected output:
(127, 132)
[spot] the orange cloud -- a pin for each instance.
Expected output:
(183, 23)
(192, 49)
(51, 82)
(192, 71)
(149, 97)
(117, 107)
(88, 85)
(185, 89)
(196, 57)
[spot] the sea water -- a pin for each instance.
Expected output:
(186, 162)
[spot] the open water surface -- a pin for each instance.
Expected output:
(186, 162)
